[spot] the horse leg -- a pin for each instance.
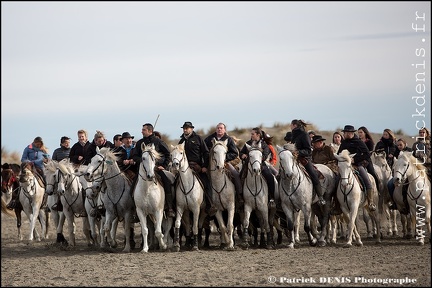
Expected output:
(158, 230)
(144, 230)
(127, 229)
(230, 227)
(289, 212)
(177, 224)
(307, 219)
(222, 228)
(86, 230)
(367, 220)
(43, 218)
(377, 221)
(196, 215)
(246, 238)
(393, 221)
(352, 215)
(19, 222)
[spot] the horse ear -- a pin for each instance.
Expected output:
(225, 142)
(248, 147)
(143, 146)
(213, 141)
(152, 146)
(97, 149)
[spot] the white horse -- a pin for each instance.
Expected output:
(70, 191)
(384, 174)
(223, 191)
(89, 203)
(189, 196)
(149, 195)
(51, 187)
(255, 194)
(31, 196)
(117, 197)
(351, 197)
(407, 167)
(295, 192)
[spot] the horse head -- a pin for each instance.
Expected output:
(178, 157)
(345, 168)
(286, 159)
(218, 154)
(9, 175)
(98, 164)
(50, 171)
(401, 167)
(149, 158)
(255, 157)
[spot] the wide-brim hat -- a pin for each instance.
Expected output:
(126, 135)
(317, 138)
(349, 128)
(288, 136)
(187, 124)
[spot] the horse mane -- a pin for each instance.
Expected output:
(65, 166)
(51, 166)
(153, 151)
(109, 154)
(411, 159)
(346, 155)
(290, 147)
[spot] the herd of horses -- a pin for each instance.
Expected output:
(82, 190)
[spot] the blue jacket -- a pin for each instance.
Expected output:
(33, 154)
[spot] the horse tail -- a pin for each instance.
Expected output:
(5, 210)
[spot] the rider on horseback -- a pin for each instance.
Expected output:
(231, 161)
(161, 147)
(197, 154)
(362, 160)
(34, 154)
(302, 141)
(256, 138)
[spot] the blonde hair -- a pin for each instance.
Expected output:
(99, 134)
(82, 131)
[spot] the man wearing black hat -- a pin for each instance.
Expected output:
(123, 149)
(161, 166)
(362, 160)
(197, 154)
(302, 142)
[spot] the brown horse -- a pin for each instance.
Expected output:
(9, 187)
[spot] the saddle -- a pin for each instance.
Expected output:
(318, 172)
(359, 179)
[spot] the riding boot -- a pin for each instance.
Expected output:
(406, 209)
(239, 193)
(372, 206)
(320, 194)
(57, 206)
(169, 200)
(210, 209)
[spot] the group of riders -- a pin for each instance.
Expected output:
(310, 149)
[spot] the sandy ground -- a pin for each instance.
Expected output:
(48, 264)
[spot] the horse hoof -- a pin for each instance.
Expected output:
(291, 245)
(322, 243)
(347, 245)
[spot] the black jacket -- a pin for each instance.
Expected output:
(78, 150)
(160, 147)
(302, 142)
(91, 151)
(232, 153)
(196, 149)
(265, 153)
(355, 145)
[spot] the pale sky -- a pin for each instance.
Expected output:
(113, 66)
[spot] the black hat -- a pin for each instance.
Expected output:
(349, 128)
(288, 137)
(126, 135)
(187, 124)
(317, 138)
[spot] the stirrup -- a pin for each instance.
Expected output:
(11, 205)
(272, 204)
(372, 206)
(54, 207)
(170, 213)
(321, 202)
